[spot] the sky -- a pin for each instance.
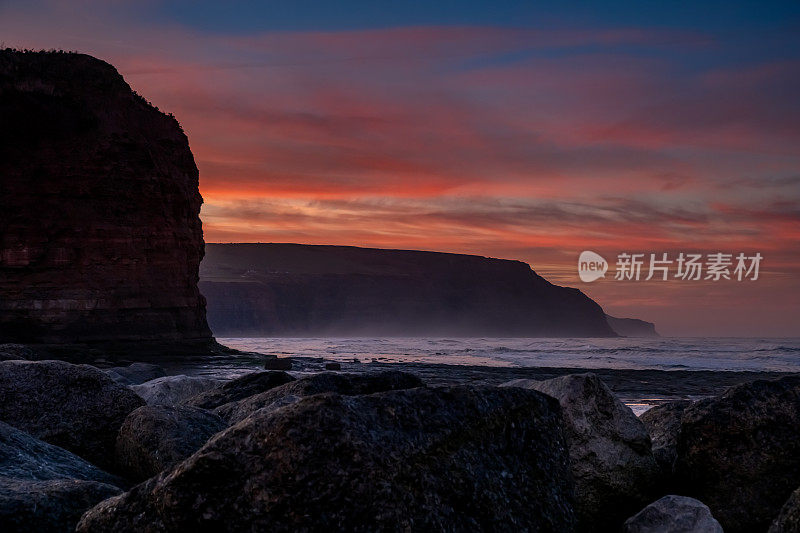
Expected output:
(519, 130)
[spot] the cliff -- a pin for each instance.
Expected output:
(100, 236)
(299, 290)
(632, 327)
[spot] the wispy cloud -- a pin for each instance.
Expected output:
(521, 143)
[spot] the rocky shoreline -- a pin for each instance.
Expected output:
(371, 448)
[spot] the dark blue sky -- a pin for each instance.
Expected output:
(252, 15)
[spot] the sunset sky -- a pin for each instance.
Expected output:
(520, 130)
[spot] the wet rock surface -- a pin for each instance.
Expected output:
(76, 407)
(673, 514)
(154, 438)
(172, 390)
(739, 453)
(239, 388)
(610, 451)
(456, 459)
(347, 384)
(44, 487)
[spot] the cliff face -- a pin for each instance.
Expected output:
(632, 327)
(100, 238)
(289, 289)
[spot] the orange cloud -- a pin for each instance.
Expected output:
(517, 143)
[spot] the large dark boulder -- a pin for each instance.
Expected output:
(239, 388)
(76, 407)
(172, 390)
(53, 505)
(739, 453)
(673, 514)
(347, 384)
(11, 352)
(23, 456)
(43, 487)
(455, 459)
(154, 438)
(788, 521)
(663, 423)
(609, 448)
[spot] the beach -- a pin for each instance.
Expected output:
(699, 368)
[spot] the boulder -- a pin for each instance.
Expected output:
(609, 448)
(346, 384)
(449, 459)
(76, 407)
(663, 423)
(172, 390)
(11, 352)
(673, 514)
(154, 438)
(53, 505)
(278, 363)
(739, 453)
(239, 388)
(44, 487)
(135, 373)
(23, 456)
(788, 521)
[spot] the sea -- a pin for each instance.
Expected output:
(657, 353)
(720, 354)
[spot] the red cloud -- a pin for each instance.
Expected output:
(526, 144)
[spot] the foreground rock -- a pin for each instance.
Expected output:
(346, 384)
(76, 407)
(239, 388)
(44, 487)
(788, 521)
(154, 438)
(11, 352)
(673, 514)
(609, 448)
(663, 423)
(457, 459)
(172, 390)
(135, 373)
(739, 453)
